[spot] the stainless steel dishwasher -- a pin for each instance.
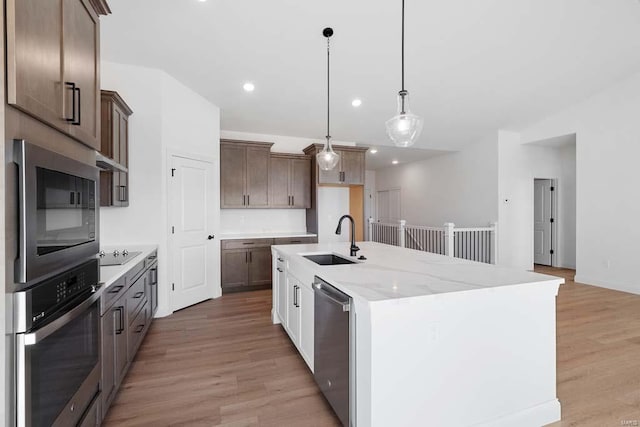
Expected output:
(333, 356)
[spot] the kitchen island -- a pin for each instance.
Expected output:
(436, 341)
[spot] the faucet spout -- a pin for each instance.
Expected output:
(354, 249)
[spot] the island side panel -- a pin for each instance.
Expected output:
(485, 357)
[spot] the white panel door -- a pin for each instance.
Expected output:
(192, 238)
(542, 225)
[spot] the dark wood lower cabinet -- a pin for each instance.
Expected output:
(127, 308)
(246, 264)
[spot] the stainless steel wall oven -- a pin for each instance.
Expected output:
(58, 212)
(58, 348)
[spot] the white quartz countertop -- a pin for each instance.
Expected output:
(265, 235)
(110, 274)
(391, 272)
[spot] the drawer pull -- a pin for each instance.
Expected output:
(138, 294)
(249, 243)
(139, 329)
(280, 259)
(279, 269)
(115, 289)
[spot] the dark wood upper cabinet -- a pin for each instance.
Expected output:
(350, 169)
(53, 61)
(290, 182)
(115, 113)
(279, 195)
(244, 174)
(257, 185)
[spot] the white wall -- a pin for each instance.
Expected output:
(607, 131)
(460, 187)
(284, 220)
(519, 165)
(167, 117)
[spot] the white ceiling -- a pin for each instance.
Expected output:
(385, 155)
(472, 66)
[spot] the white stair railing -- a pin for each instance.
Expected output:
(473, 243)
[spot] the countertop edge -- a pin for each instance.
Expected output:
(112, 273)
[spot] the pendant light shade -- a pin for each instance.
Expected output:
(405, 127)
(327, 158)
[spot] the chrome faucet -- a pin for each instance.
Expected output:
(354, 248)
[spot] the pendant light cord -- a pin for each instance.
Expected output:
(403, 46)
(328, 82)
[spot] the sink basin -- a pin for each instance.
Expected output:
(328, 259)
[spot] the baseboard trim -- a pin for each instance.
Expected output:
(539, 415)
(608, 285)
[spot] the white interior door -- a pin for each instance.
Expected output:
(192, 239)
(542, 224)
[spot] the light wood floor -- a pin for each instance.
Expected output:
(223, 363)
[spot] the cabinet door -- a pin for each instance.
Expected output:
(123, 193)
(300, 184)
(279, 193)
(293, 312)
(121, 351)
(260, 267)
(257, 183)
(235, 271)
(306, 324)
(353, 167)
(106, 188)
(281, 283)
(109, 326)
(233, 164)
(332, 176)
(34, 78)
(123, 139)
(81, 47)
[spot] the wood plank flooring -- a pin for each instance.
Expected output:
(222, 363)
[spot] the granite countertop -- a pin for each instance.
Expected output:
(391, 272)
(265, 235)
(111, 273)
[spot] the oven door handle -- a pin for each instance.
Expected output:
(42, 333)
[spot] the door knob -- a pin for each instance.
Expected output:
(211, 237)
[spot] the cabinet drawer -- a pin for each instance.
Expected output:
(136, 295)
(112, 293)
(295, 240)
(137, 329)
(246, 243)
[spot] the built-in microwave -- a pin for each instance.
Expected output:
(58, 212)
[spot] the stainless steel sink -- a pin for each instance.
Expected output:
(328, 259)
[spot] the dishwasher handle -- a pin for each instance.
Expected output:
(326, 293)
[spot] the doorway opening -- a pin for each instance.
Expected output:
(544, 221)
(388, 206)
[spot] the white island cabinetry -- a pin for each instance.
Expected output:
(437, 340)
(293, 307)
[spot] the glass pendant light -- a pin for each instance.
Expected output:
(327, 158)
(405, 127)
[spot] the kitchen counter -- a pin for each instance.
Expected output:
(265, 235)
(391, 272)
(435, 340)
(110, 274)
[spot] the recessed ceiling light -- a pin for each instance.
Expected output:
(395, 162)
(356, 102)
(373, 150)
(248, 87)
